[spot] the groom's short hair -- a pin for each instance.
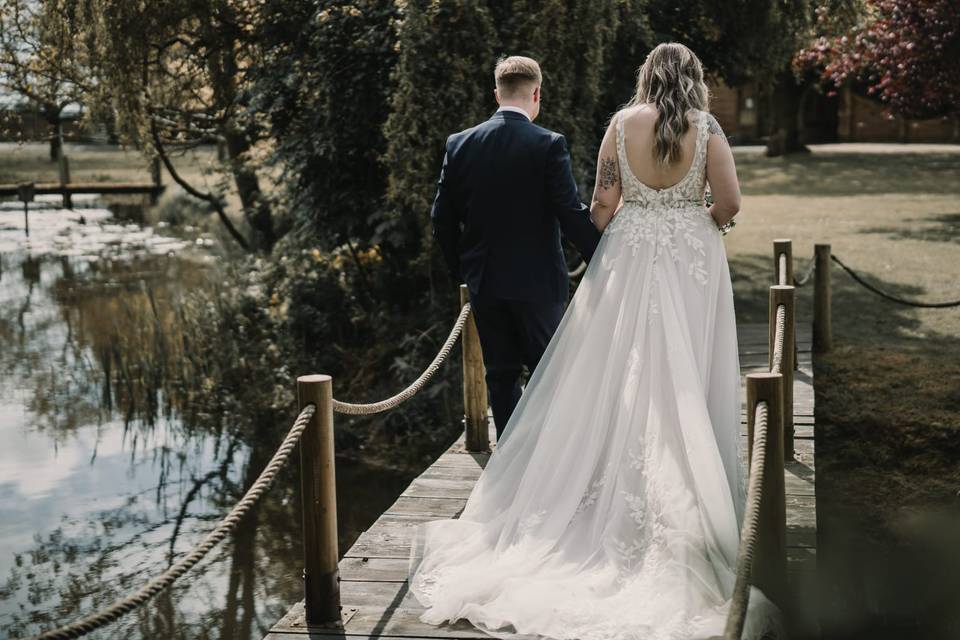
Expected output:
(516, 75)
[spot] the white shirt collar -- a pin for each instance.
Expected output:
(515, 110)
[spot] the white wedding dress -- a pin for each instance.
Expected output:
(611, 506)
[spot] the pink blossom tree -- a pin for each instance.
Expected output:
(905, 52)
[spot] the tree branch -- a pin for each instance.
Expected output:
(210, 198)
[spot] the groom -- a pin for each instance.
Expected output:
(505, 192)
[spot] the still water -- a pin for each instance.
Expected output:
(104, 481)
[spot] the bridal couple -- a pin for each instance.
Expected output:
(611, 507)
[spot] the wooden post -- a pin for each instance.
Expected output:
(64, 167)
(769, 571)
(156, 176)
(822, 325)
(25, 192)
(474, 383)
(783, 247)
(784, 295)
(321, 574)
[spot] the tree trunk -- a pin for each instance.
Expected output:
(787, 116)
(56, 133)
(223, 68)
(256, 209)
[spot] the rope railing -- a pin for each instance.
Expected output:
(769, 388)
(889, 296)
(736, 617)
(777, 363)
(418, 384)
(748, 533)
(222, 530)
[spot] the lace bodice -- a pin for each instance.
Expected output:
(690, 188)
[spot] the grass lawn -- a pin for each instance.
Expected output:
(888, 395)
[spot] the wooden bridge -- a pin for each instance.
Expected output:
(365, 593)
(373, 597)
(66, 188)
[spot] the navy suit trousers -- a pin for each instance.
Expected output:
(513, 334)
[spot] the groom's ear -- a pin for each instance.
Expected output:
(536, 94)
(496, 95)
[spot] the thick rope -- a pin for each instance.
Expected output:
(418, 384)
(748, 533)
(576, 273)
(222, 530)
(776, 365)
(891, 297)
(782, 269)
(799, 282)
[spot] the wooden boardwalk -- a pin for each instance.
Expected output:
(373, 572)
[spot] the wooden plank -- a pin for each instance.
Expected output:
(353, 568)
(376, 621)
(440, 507)
(439, 488)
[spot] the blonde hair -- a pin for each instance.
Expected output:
(671, 79)
(515, 75)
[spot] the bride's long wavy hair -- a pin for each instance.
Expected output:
(671, 79)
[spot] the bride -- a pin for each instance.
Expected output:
(611, 508)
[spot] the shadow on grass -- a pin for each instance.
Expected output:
(936, 228)
(888, 460)
(842, 174)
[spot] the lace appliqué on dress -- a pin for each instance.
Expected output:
(663, 218)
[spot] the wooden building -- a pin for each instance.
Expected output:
(846, 117)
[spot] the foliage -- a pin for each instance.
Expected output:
(41, 58)
(573, 41)
(300, 312)
(903, 51)
(324, 86)
(180, 73)
(441, 85)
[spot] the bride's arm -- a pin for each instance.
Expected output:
(606, 190)
(722, 176)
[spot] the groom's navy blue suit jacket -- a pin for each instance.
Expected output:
(505, 192)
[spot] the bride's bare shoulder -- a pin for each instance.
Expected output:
(639, 113)
(647, 114)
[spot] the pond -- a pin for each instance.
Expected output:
(104, 480)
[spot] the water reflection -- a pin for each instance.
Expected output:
(106, 475)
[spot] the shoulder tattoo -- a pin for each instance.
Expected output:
(609, 173)
(714, 126)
